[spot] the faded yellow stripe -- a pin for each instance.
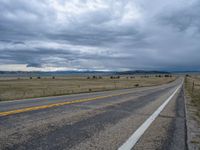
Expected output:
(12, 112)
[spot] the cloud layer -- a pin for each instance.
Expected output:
(99, 35)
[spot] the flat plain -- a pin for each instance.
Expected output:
(24, 87)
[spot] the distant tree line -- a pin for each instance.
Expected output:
(130, 77)
(100, 77)
(53, 77)
(114, 77)
(94, 77)
(166, 75)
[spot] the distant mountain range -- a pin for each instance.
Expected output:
(61, 73)
(87, 73)
(141, 72)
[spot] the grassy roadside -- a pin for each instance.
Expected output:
(192, 95)
(11, 89)
(192, 85)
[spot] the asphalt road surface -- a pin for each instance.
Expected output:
(140, 118)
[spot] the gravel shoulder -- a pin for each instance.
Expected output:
(193, 126)
(168, 131)
(192, 100)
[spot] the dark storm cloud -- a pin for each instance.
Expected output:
(185, 18)
(100, 35)
(37, 57)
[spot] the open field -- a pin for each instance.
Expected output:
(20, 88)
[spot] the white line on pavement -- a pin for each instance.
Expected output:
(130, 143)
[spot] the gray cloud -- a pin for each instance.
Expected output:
(100, 35)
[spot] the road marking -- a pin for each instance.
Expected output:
(130, 143)
(12, 112)
(59, 96)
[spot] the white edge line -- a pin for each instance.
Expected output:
(130, 143)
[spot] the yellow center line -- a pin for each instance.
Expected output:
(12, 112)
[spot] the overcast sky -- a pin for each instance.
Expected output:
(51, 35)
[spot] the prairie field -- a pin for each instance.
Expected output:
(25, 87)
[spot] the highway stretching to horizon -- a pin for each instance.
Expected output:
(138, 118)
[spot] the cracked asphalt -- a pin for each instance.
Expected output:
(103, 123)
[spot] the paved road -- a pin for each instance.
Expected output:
(100, 120)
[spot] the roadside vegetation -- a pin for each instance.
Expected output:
(192, 85)
(32, 87)
(192, 93)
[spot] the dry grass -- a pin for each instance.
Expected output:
(193, 88)
(11, 89)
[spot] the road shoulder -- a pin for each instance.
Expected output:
(192, 122)
(168, 131)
